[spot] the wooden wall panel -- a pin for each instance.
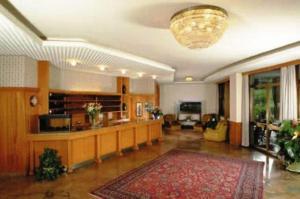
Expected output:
(12, 131)
(141, 134)
(32, 113)
(17, 118)
(43, 84)
(108, 143)
(127, 138)
(157, 94)
(60, 146)
(83, 149)
(235, 133)
(135, 98)
(155, 131)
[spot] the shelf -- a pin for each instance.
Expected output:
(72, 103)
(80, 101)
(58, 91)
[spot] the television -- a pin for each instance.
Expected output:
(190, 107)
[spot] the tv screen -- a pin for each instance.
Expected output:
(190, 107)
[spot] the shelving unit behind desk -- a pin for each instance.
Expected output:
(71, 102)
(76, 148)
(123, 85)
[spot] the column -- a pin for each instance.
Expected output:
(235, 130)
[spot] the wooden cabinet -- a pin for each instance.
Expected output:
(75, 148)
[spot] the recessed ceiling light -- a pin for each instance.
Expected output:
(123, 71)
(154, 76)
(102, 67)
(188, 78)
(73, 62)
(140, 74)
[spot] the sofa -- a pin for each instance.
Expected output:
(218, 134)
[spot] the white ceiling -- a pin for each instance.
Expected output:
(141, 28)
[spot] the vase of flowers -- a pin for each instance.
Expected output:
(156, 113)
(93, 110)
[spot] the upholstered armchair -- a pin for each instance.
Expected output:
(170, 123)
(218, 134)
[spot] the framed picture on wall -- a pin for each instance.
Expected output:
(139, 109)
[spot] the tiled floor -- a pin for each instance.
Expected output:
(278, 183)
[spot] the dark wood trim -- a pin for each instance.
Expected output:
(235, 133)
(223, 81)
(18, 15)
(273, 67)
(19, 89)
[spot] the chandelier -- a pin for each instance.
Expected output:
(199, 26)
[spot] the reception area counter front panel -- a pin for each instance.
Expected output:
(79, 147)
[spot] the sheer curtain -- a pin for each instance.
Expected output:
(245, 112)
(288, 94)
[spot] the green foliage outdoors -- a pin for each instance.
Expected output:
(289, 141)
(50, 166)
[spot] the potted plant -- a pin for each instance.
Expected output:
(93, 110)
(50, 166)
(288, 139)
(156, 113)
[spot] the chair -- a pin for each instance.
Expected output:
(170, 123)
(218, 134)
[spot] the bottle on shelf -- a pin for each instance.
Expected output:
(123, 89)
(124, 107)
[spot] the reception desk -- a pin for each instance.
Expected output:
(78, 147)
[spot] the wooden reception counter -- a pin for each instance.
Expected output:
(79, 147)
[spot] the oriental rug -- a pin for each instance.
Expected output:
(186, 174)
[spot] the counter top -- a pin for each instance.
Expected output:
(58, 135)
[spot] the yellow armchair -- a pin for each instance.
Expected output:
(218, 134)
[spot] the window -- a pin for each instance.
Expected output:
(265, 96)
(264, 108)
(224, 99)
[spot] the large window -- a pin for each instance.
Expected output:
(264, 108)
(265, 96)
(224, 99)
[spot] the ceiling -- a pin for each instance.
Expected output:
(141, 28)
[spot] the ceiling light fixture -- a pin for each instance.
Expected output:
(199, 26)
(140, 74)
(102, 67)
(123, 71)
(188, 78)
(73, 62)
(154, 76)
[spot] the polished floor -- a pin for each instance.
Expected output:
(278, 183)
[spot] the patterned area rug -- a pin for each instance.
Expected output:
(185, 174)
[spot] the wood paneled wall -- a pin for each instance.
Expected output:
(17, 118)
(235, 133)
(43, 85)
(143, 98)
(157, 94)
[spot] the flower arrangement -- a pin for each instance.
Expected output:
(92, 109)
(156, 112)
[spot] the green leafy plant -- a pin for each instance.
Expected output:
(288, 139)
(50, 166)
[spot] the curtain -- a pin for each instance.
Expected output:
(288, 94)
(245, 112)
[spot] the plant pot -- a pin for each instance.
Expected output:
(294, 167)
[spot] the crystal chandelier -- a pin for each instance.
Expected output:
(199, 26)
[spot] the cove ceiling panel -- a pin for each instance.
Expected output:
(15, 41)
